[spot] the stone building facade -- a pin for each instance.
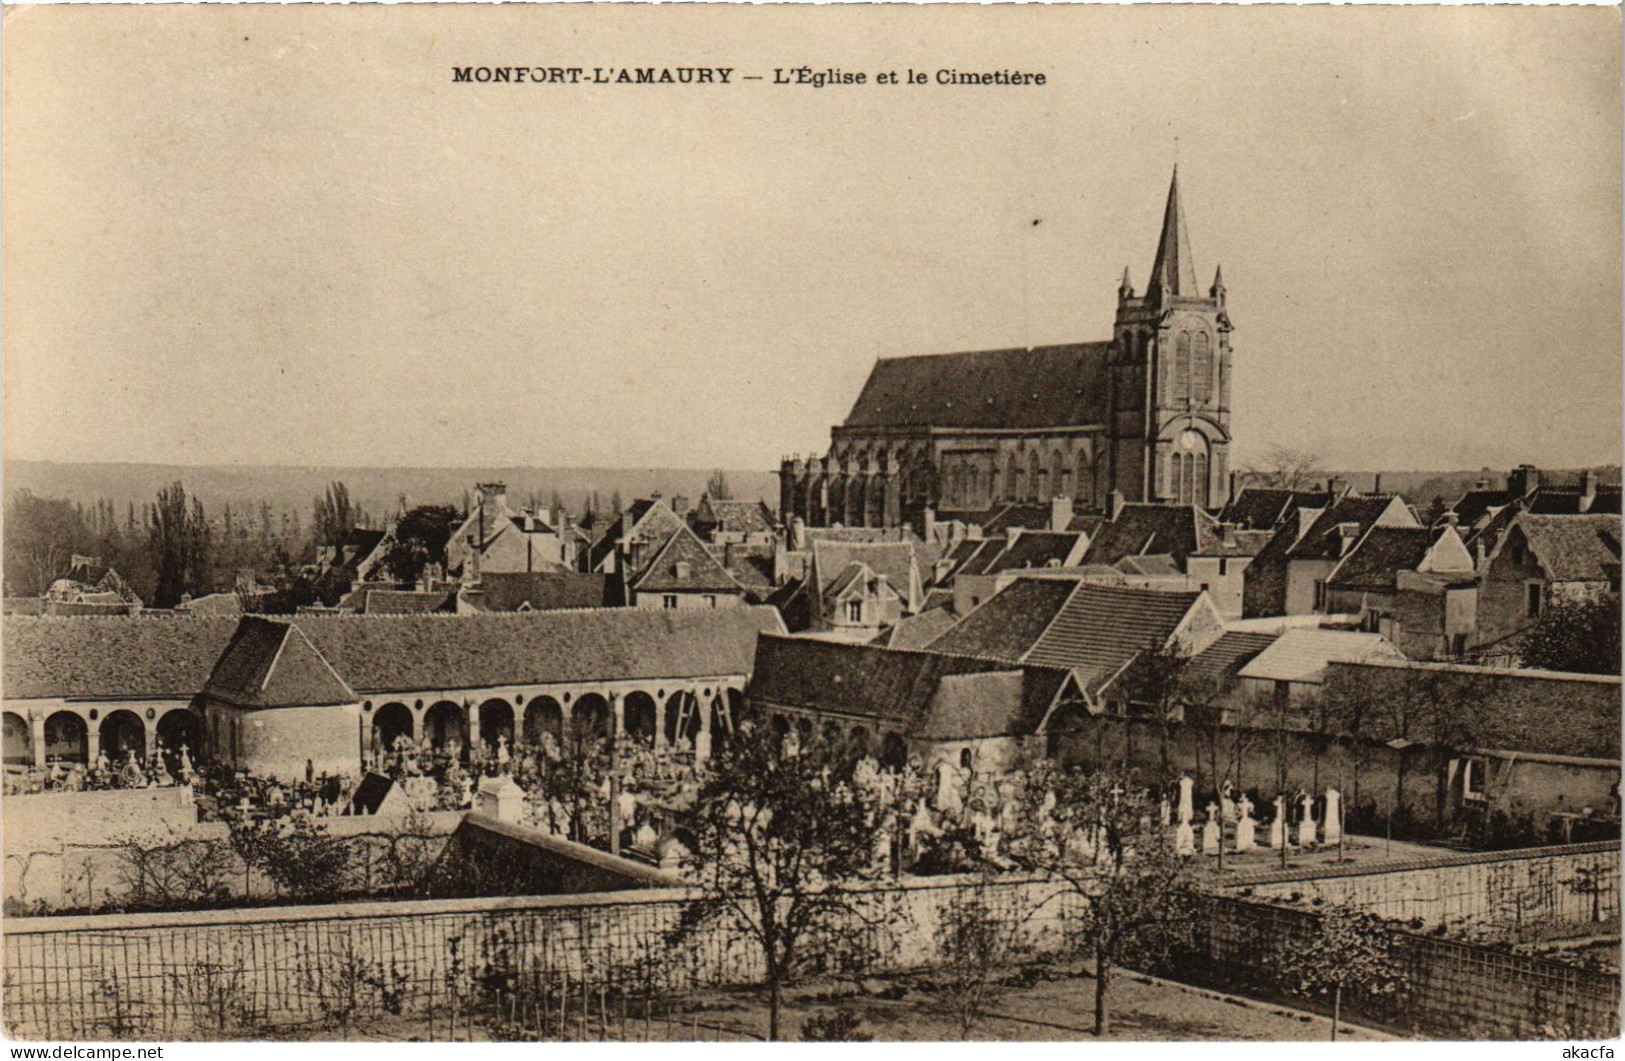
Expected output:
(1146, 413)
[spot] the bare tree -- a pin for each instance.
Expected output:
(979, 936)
(1133, 896)
(1284, 467)
(716, 487)
(781, 838)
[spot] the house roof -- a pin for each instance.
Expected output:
(271, 663)
(403, 653)
(734, 517)
(1044, 386)
(1374, 562)
(895, 560)
(1565, 501)
(650, 517)
(1302, 654)
(1574, 548)
(902, 688)
(1025, 516)
(1175, 530)
(1154, 564)
(1236, 543)
(684, 565)
(1263, 508)
(1226, 656)
(1474, 505)
(384, 600)
(1036, 549)
(977, 561)
(854, 573)
(1087, 627)
(1323, 540)
(509, 591)
(917, 631)
(112, 657)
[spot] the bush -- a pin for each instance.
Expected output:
(843, 1025)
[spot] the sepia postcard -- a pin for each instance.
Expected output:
(725, 523)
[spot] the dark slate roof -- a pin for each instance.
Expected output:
(1174, 530)
(1090, 628)
(414, 652)
(1027, 517)
(508, 591)
(1574, 548)
(855, 572)
(1237, 543)
(1565, 501)
(981, 557)
(537, 526)
(651, 518)
(900, 687)
(1323, 542)
(270, 663)
(116, 657)
(1045, 386)
(1474, 505)
(1380, 554)
(704, 572)
(1009, 623)
(1263, 508)
(370, 793)
(1233, 650)
(1035, 549)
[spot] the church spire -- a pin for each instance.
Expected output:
(1174, 271)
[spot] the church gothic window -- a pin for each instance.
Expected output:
(973, 486)
(1182, 367)
(1035, 478)
(1013, 479)
(1086, 483)
(1057, 476)
(1202, 368)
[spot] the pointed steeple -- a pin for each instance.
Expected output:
(1125, 289)
(1217, 290)
(1174, 271)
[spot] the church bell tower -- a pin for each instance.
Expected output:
(1168, 417)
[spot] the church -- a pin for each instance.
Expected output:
(1145, 413)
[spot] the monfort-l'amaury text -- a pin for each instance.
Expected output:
(805, 76)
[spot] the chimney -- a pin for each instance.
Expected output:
(1523, 480)
(1227, 533)
(471, 573)
(1337, 486)
(1481, 484)
(929, 524)
(1233, 486)
(1114, 504)
(1347, 534)
(1376, 483)
(1588, 489)
(1060, 513)
(1450, 519)
(493, 494)
(530, 523)
(679, 505)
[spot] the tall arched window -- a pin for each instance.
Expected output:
(1202, 368)
(1012, 480)
(1057, 476)
(1035, 478)
(973, 487)
(1086, 481)
(956, 484)
(1199, 492)
(1182, 367)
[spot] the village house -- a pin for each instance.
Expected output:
(1540, 561)
(1288, 575)
(895, 704)
(497, 538)
(653, 559)
(1414, 585)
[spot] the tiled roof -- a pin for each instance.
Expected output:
(1474, 505)
(1384, 551)
(1324, 542)
(1227, 655)
(981, 557)
(1263, 508)
(855, 572)
(382, 600)
(898, 687)
(1177, 530)
(1302, 654)
(1046, 386)
(684, 565)
(1153, 564)
(212, 604)
(917, 631)
(895, 560)
(116, 657)
(1036, 549)
(734, 517)
(416, 652)
(510, 591)
(1077, 625)
(536, 526)
(1009, 623)
(752, 571)
(651, 519)
(1237, 543)
(1574, 548)
(270, 663)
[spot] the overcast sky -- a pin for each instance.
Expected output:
(283, 235)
